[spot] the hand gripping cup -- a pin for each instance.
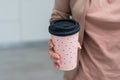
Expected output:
(64, 34)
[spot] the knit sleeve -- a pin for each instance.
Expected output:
(61, 10)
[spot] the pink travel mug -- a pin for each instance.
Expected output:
(64, 34)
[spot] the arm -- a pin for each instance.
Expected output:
(61, 10)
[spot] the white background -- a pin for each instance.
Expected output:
(24, 20)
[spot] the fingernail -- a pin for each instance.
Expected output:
(57, 56)
(80, 47)
(58, 61)
(51, 45)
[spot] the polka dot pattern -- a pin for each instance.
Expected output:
(67, 47)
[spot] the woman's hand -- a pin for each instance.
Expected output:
(55, 57)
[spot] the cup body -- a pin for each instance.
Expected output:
(67, 47)
(64, 34)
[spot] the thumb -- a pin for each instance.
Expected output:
(79, 46)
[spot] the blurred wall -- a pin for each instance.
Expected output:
(24, 20)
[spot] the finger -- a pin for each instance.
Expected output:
(55, 60)
(50, 43)
(56, 65)
(53, 54)
(79, 46)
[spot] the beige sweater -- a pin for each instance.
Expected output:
(99, 58)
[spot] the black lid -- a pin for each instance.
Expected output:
(64, 27)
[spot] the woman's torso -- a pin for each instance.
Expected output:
(100, 57)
